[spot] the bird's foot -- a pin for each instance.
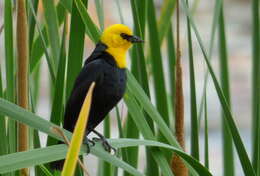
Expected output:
(89, 143)
(104, 142)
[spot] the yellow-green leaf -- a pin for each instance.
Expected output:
(77, 137)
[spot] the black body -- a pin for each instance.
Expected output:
(110, 86)
(110, 80)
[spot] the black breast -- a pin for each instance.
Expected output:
(109, 89)
(107, 94)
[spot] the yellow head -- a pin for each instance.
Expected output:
(119, 38)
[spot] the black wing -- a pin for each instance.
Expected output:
(91, 72)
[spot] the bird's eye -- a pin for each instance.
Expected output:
(125, 36)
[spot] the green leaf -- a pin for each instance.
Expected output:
(10, 75)
(100, 13)
(157, 67)
(165, 18)
(76, 48)
(256, 86)
(206, 136)
(91, 29)
(36, 122)
(228, 158)
(58, 101)
(41, 43)
(243, 156)
(193, 102)
(78, 135)
(51, 19)
(56, 152)
(3, 126)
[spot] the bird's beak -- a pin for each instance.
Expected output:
(131, 38)
(135, 39)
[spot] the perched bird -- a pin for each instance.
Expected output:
(106, 67)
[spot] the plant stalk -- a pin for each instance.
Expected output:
(22, 60)
(178, 167)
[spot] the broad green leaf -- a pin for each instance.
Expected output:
(56, 152)
(23, 159)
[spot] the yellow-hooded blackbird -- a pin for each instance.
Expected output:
(105, 66)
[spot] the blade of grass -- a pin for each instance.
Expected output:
(41, 43)
(255, 86)
(17, 113)
(9, 53)
(228, 159)
(57, 152)
(156, 60)
(44, 45)
(76, 47)
(10, 76)
(137, 92)
(52, 26)
(139, 11)
(142, 98)
(121, 134)
(206, 143)
(100, 13)
(32, 23)
(45, 170)
(120, 11)
(164, 22)
(217, 6)
(58, 102)
(91, 29)
(78, 135)
(139, 119)
(193, 102)
(3, 125)
(107, 167)
(243, 156)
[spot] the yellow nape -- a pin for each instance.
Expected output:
(117, 46)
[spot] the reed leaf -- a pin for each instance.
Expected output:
(78, 135)
(243, 156)
(255, 86)
(76, 47)
(228, 159)
(193, 102)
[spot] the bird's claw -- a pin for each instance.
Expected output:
(89, 143)
(105, 144)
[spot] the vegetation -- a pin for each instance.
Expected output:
(61, 41)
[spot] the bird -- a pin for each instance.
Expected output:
(106, 66)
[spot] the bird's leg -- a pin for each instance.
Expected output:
(104, 141)
(89, 143)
